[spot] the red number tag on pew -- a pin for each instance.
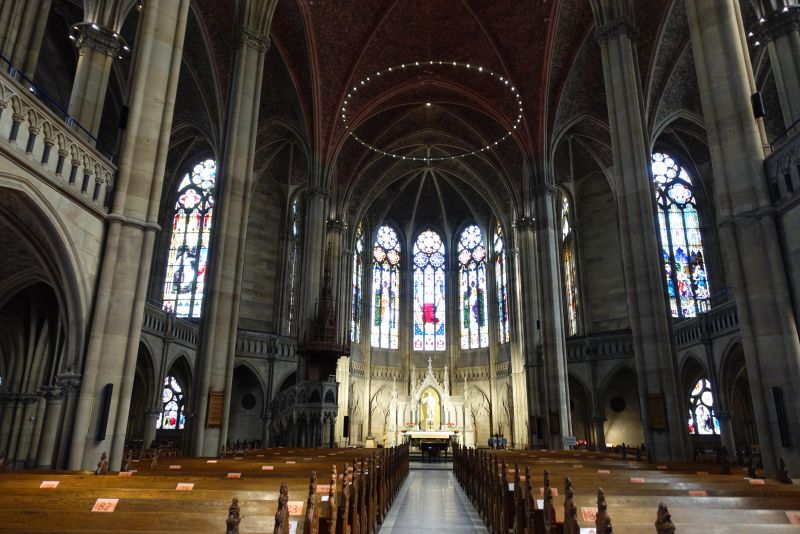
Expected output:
(698, 493)
(757, 481)
(126, 473)
(553, 492)
(234, 475)
(295, 507)
(323, 488)
(794, 517)
(174, 467)
(211, 461)
(603, 472)
(184, 486)
(589, 513)
(637, 480)
(49, 484)
(105, 505)
(267, 467)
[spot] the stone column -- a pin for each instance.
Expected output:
(97, 49)
(218, 344)
(150, 420)
(54, 398)
(22, 24)
(726, 430)
(312, 257)
(552, 323)
(27, 427)
(523, 293)
(130, 237)
(780, 31)
(663, 417)
(747, 230)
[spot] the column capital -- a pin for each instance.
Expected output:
(336, 225)
(525, 223)
(92, 35)
(616, 28)
(52, 393)
(318, 192)
(777, 24)
(254, 39)
(70, 382)
(545, 189)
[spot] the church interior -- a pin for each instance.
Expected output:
(403, 245)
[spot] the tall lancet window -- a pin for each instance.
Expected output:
(294, 264)
(385, 288)
(358, 275)
(681, 242)
(429, 284)
(472, 277)
(172, 416)
(501, 280)
(702, 418)
(191, 231)
(568, 266)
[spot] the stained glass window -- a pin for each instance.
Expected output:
(172, 416)
(385, 288)
(429, 292)
(501, 280)
(702, 420)
(472, 281)
(568, 267)
(358, 274)
(188, 250)
(294, 256)
(681, 242)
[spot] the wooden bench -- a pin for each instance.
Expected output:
(509, 490)
(361, 485)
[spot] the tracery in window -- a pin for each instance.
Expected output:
(702, 420)
(429, 292)
(682, 244)
(501, 280)
(385, 288)
(358, 274)
(568, 267)
(188, 252)
(472, 278)
(172, 415)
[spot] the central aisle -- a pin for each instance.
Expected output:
(432, 500)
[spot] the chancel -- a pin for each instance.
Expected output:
(310, 263)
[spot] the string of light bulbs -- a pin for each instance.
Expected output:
(361, 84)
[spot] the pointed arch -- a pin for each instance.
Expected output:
(569, 273)
(386, 253)
(471, 250)
(501, 284)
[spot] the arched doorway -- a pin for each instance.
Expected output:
(142, 397)
(247, 407)
(581, 412)
(740, 400)
(623, 422)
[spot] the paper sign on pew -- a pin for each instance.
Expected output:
(105, 505)
(553, 492)
(794, 517)
(637, 480)
(234, 475)
(126, 473)
(295, 507)
(589, 513)
(211, 461)
(49, 484)
(267, 467)
(174, 467)
(588, 530)
(323, 488)
(290, 462)
(292, 527)
(603, 472)
(184, 486)
(698, 493)
(757, 481)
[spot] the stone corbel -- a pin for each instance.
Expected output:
(615, 28)
(91, 35)
(777, 25)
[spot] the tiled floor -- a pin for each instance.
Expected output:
(431, 501)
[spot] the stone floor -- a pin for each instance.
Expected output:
(431, 501)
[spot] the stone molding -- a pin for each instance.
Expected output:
(336, 225)
(616, 28)
(254, 39)
(525, 223)
(52, 393)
